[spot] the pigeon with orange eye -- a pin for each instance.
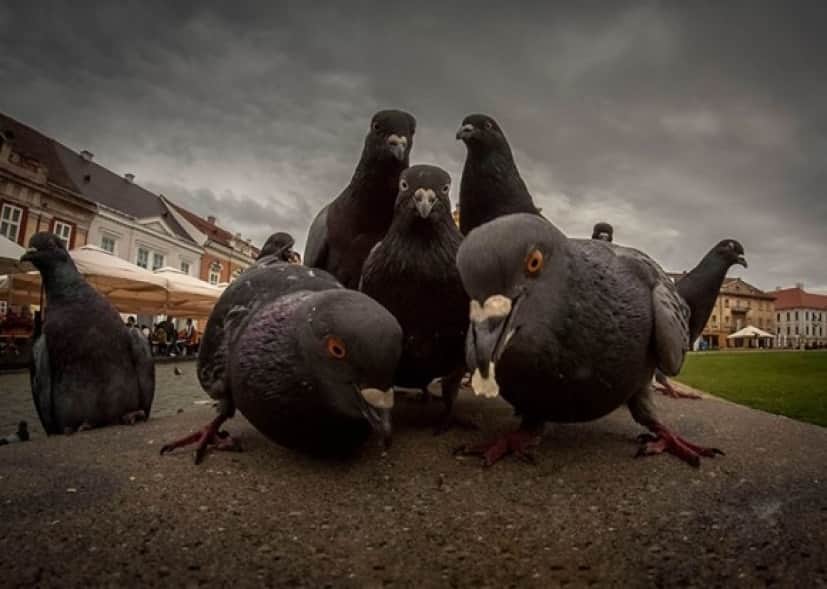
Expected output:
(568, 330)
(307, 362)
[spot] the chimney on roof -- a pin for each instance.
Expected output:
(211, 220)
(129, 177)
(87, 155)
(799, 285)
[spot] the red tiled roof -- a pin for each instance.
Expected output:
(214, 232)
(796, 298)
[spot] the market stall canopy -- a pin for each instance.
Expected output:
(10, 254)
(128, 287)
(750, 331)
(188, 296)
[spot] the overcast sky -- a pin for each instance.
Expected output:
(681, 123)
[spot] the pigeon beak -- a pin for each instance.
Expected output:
(465, 132)
(376, 408)
(397, 146)
(486, 340)
(424, 199)
(742, 261)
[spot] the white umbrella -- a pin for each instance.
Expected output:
(128, 287)
(10, 254)
(750, 331)
(188, 295)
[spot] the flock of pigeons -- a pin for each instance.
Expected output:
(393, 294)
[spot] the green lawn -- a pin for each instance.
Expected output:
(790, 383)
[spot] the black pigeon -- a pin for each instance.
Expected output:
(699, 288)
(279, 248)
(343, 233)
(491, 185)
(412, 272)
(307, 362)
(603, 231)
(88, 369)
(21, 435)
(567, 330)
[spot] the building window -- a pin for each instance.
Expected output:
(64, 232)
(143, 258)
(807, 329)
(108, 244)
(157, 261)
(215, 276)
(788, 315)
(778, 316)
(185, 267)
(788, 330)
(714, 319)
(726, 302)
(10, 219)
(806, 315)
(796, 329)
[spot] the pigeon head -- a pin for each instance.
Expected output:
(603, 231)
(352, 345)
(423, 193)
(390, 137)
(481, 131)
(506, 265)
(45, 251)
(280, 245)
(730, 252)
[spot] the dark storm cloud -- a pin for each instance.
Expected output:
(680, 123)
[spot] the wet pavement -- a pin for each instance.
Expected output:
(102, 508)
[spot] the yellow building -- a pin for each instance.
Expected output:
(739, 304)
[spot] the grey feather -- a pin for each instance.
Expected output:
(41, 380)
(315, 250)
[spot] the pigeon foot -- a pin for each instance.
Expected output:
(211, 435)
(663, 440)
(668, 390)
(517, 443)
(133, 417)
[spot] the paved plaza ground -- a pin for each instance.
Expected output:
(103, 508)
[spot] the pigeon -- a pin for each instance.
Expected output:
(309, 363)
(699, 288)
(21, 435)
(567, 330)
(278, 247)
(343, 232)
(88, 369)
(603, 231)
(178, 372)
(412, 272)
(491, 185)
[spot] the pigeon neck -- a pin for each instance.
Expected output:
(377, 175)
(62, 281)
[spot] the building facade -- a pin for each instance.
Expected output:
(738, 305)
(801, 318)
(226, 255)
(36, 192)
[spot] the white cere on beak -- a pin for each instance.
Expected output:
(395, 139)
(423, 193)
(378, 398)
(495, 306)
(31, 250)
(485, 386)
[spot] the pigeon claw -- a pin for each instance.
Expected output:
(518, 443)
(668, 390)
(210, 436)
(664, 440)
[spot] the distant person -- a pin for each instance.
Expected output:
(189, 336)
(603, 231)
(172, 335)
(130, 321)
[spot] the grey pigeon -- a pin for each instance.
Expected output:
(603, 231)
(88, 369)
(343, 232)
(21, 435)
(491, 185)
(278, 247)
(699, 288)
(412, 272)
(307, 362)
(567, 330)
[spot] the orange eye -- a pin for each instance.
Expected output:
(534, 262)
(336, 347)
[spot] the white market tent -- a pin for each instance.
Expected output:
(750, 331)
(128, 287)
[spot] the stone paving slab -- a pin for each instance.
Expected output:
(102, 508)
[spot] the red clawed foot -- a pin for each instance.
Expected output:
(518, 443)
(664, 440)
(668, 390)
(209, 436)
